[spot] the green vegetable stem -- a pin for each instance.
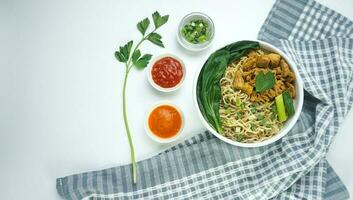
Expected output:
(134, 58)
(282, 116)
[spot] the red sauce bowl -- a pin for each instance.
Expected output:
(166, 73)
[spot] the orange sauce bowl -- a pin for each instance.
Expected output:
(164, 122)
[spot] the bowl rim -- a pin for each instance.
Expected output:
(188, 45)
(156, 138)
(284, 130)
(149, 74)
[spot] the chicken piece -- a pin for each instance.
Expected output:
(256, 97)
(277, 71)
(249, 64)
(247, 89)
(290, 77)
(263, 61)
(247, 78)
(291, 89)
(279, 87)
(247, 73)
(238, 82)
(270, 93)
(285, 68)
(275, 59)
(253, 54)
(256, 71)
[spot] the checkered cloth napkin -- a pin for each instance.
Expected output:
(320, 42)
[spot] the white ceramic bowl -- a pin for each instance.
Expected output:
(155, 137)
(287, 126)
(149, 74)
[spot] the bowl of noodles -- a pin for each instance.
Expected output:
(248, 93)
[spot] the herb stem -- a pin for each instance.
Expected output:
(132, 151)
(127, 70)
(137, 46)
(129, 65)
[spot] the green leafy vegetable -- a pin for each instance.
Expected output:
(124, 56)
(208, 88)
(264, 82)
(288, 103)
(282, 116)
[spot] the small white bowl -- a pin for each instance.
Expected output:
(155, 137)
(188, 45)
(149, 74)
(287, 126)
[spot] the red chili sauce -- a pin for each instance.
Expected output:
(167, 72)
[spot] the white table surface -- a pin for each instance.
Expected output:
(60, 85)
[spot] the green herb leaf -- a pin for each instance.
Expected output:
(264, 82)
(143, 61)
(119, 57)
(158, 20)
(124, 52)
(143, 25)
(239, 137)
(136, 55)
(155, 38)
(288, 103)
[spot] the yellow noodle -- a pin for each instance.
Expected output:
(250, 122)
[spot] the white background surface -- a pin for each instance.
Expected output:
(60, 85)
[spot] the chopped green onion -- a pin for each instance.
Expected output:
(240, 137)
(238, 103)
(253, 127)
(262, 122)
(196, 31)
(273, 116)
(242, 106)
(274, 108)
(260, 117)
(237, 129)
(239, 114)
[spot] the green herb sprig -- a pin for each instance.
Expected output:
(131, 58)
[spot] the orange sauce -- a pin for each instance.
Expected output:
(165, 121)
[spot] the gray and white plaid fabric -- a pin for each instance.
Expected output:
(320, 41)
